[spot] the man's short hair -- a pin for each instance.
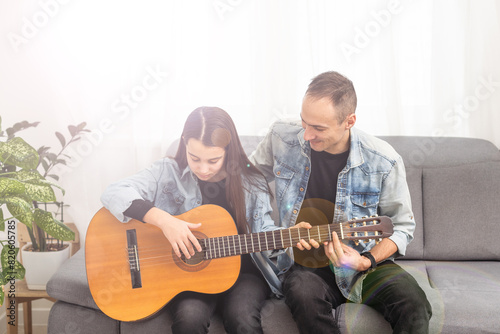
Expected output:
(338, 89)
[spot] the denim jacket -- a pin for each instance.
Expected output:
(372, 182)
(176, 191)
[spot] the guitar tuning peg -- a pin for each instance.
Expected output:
(373, 216)
(356, 242)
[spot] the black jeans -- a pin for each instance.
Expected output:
(240, 307)
(311, 295)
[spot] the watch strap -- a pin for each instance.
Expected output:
(370, 257)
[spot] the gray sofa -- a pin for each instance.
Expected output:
(455, 256)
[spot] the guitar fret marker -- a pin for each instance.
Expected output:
(341, 231)
(258, 239)
(251, 238)
(274, 240)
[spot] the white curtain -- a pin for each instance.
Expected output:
(133, 70)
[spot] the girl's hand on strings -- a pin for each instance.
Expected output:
(177, 231)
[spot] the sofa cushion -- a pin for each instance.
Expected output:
(69, 283)
(469, 291)
(71, 318)
(454, 231)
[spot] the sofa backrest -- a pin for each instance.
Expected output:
(455, 187)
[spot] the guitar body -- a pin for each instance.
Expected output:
(315, 211)
(160, 275)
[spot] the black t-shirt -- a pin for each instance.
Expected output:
(215, 193)
(325, 169)
(319, 202)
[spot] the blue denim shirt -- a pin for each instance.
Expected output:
(372, 182)
(176, 191)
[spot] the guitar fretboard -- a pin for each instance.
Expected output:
(262, 241)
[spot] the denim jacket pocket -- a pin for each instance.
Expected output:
(283, 175)
(173, 197)
(364, 204)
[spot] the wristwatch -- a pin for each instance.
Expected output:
(370, 257)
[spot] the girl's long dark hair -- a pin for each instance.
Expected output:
(214, 127)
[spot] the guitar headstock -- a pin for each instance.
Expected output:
(368, 228)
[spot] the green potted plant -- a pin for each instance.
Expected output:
(22, 188)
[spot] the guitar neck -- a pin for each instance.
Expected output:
(263, 241)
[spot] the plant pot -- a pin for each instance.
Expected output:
(40, 266)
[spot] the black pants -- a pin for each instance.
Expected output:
(311, 295)
(240, 307)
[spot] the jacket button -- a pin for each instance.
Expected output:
(301, 189)
(295, 211)
(278, 173)
(307, 167)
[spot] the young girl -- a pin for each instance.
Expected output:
(210, 167)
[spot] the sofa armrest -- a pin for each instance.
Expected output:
(69, 283)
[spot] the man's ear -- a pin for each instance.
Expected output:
(350, 121)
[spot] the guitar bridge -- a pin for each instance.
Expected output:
(133, 259)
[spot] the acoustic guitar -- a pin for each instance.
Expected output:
(133, 272)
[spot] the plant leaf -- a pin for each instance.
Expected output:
(61, 138)
(19, 153)
(52, 226)
(18, 127)
(3, 282)
(11, 267)
(21, 209)
(45, 164)
(73, 130)
(37, 188)
(2, 221)
(9, 187)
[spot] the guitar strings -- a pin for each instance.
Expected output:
(148, 255)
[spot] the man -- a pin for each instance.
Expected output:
(325, 159)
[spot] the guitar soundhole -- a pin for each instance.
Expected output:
(197, 262)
